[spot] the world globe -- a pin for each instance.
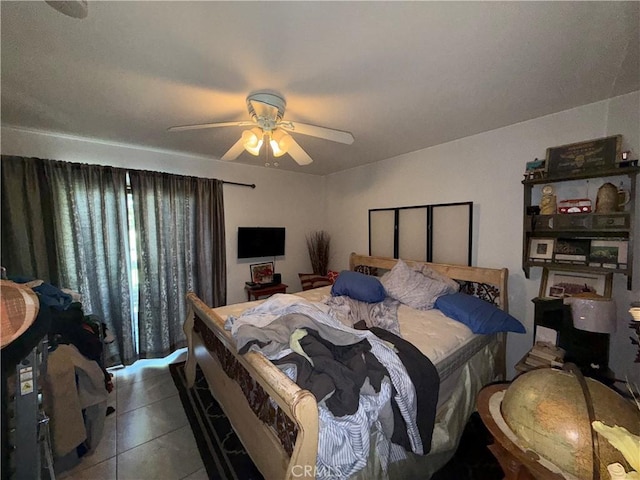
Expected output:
(547, 411)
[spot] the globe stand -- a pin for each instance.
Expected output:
(595, 444)
(540, 410)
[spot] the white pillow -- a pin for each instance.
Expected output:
(427, 271)
(412, 288)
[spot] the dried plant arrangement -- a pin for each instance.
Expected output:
(318, 244)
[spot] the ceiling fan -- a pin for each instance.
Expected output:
(266, 110)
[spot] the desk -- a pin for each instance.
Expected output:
(516, 464)
(257, 292)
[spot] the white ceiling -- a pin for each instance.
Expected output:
(401, 76)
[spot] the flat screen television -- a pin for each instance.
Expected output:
(260, 242)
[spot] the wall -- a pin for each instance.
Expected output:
(281, 198)
(488, 169)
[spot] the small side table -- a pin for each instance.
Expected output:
(257, 292)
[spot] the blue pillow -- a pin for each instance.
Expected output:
(359, 287)
(480, 316)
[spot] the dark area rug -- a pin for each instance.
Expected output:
(224, 456)
(221, 451)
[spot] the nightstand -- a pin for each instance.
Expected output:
(264, 291)
(588, 350)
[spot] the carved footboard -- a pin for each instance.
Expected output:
(281, 434)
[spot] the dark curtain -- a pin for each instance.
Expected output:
(70, 225)
(211, 265)
(91, 231)
(28, 244)
(179, 223)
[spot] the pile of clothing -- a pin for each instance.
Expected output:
(76, 383)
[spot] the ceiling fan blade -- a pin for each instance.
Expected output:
(234, 152)
(298, 154)
(209, 125)
(320, 132)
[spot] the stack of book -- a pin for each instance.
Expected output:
(544, 354)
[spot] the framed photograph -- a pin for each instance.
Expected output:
(608, 253)
(572, 249)
(535, 165)
(589, 156)
(573, 283)
(556, 292)
(262, 272)
(534, 169)
(541, 249)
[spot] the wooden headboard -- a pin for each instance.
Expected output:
(487, 283)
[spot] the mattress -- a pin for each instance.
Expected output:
(446, 342)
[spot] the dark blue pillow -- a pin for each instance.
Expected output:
(480, 316)
(359, 287)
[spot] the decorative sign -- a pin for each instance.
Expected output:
(594, 155)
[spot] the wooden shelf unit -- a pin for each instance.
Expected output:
(594, 226)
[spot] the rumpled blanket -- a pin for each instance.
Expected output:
(350, 311)
(426, 381)
(273, 338)
(345, 441)
(335, 373)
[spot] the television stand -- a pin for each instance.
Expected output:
(264, 290)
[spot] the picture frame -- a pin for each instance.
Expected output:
(535, 169)
(541, 249)
(589, 156)
(261, 273)
(574, 282)
(608, 253)
(557, 292)
(572, 250)
(545, 334)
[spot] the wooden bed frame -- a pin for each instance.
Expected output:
(283, 441)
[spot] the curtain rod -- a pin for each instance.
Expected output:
(77, 165)
(252, 185)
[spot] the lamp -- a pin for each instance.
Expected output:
(593, 314)
(252, 140)
(280, 142)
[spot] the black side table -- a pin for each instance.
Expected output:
(588, 350)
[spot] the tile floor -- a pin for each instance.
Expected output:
(148, 436)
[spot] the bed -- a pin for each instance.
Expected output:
(278, 421)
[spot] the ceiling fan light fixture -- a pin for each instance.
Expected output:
(252, 140)
(266, 110)
(280, 142)
(70, 8)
